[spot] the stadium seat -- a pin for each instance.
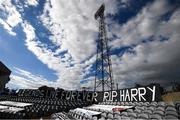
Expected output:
(159, 112)
(137, 111)
(160, 108)
(110, 115)
(155, 116)
(172, 113)
(102, 118)
(148, 111)
(170, 117)
(130, 110)
(170, 108)
(132, 115)
(104, 114)
(143, 116)
(125, 118)
(124, 113)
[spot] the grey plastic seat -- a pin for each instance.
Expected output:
(125, 118)
(109, 119)
(102, 118)
(130, 110)
(146, 104)
(148, 111)
(116, 112)
(173, 113)
(118, 117)
(160, 108)
(143, 116)
(151, 108)
(154, 103)
(170, 117)
(134, 115)
(95, 118)
(124, 113)
(104, 114)
(155, 116)
(137, 111)
(110, 115)
(159, 112)
(111, 111)
(137, 104)
(169, 108)
(161, 104)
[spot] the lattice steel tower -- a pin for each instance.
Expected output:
(103, 76)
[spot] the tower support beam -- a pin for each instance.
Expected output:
(103, 75)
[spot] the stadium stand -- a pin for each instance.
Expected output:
(30, 107)
(141, 110)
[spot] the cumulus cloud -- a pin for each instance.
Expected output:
(150, 61)
(74, 31)
(146, 24)
(75, 34)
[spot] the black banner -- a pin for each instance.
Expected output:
(145, 93)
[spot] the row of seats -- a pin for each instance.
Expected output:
(146, 110)
(135, 103)
(41, 107)
(61, 116)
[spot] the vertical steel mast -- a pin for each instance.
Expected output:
(103, 76)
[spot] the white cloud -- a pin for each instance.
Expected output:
(32, 2)
(11, 16)
(74, 30)
(7, 27)
(22, 79)
(153, 61)
(68, 77)
(142, 26)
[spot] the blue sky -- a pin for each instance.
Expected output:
(53, 42)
